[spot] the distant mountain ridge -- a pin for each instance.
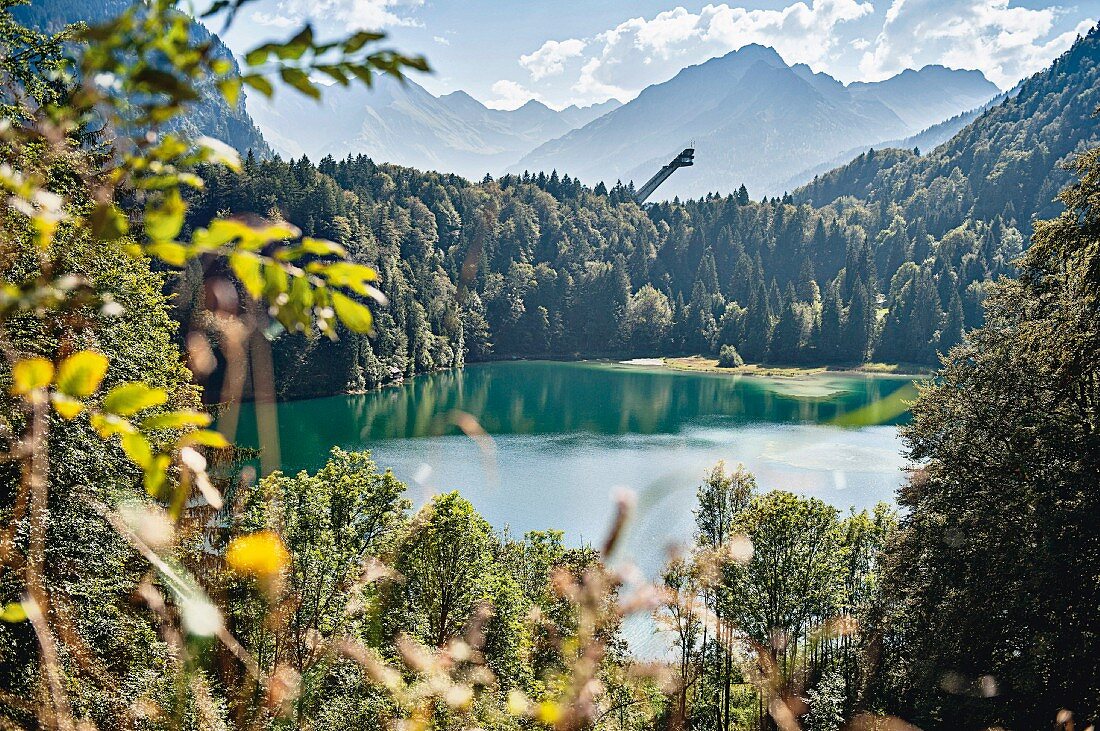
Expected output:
(924, 141)
(405, 124)
(754, 120)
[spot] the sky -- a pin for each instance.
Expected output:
(562, 52)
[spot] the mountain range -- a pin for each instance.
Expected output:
(752, 118)
(402, 122)
(755, 120)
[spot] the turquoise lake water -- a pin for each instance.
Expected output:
(564, 437)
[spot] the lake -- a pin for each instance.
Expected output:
(566, 436)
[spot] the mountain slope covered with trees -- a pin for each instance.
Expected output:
(211, 115)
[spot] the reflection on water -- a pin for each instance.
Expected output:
(548, 398)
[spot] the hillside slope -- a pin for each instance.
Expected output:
(404, 124)
(1006, 162)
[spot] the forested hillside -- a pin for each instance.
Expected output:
(212, 115)
(1008, 163)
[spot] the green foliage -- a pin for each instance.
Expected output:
(434, 604)
(793, 578)
(771, 593)
(987, 620)
(647, 320)
(826, 701)
(445, 559)
(728, 357)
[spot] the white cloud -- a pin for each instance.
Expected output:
(510, 95)
(441, 40)
(272, 20)
(550, 59)
(846, 38)
(623, 60)
(352, 14)
(1005, 42)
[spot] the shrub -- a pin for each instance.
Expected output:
(728, 357)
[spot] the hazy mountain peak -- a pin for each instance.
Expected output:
(461, 96)
(406, 124)
(756, 51)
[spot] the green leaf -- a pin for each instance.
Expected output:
(108, 222)
(259, 83)
(317, 247)
(259, 55)
(156, 474)
(300, 81)
(248, 269)
(107, 425)
(13, 612)
(164, 220)
(130, 398)
(220, 231)
(29, 374)
(175, 420)
(231, 90)
(360, 39)
(322, 247)
(169, 252)
(276, 281)
(138, 449)
(66, 406)
(346, 274)
(208, 438)
(355, 316)
(296, 47)
(335, 73)
(80, 374)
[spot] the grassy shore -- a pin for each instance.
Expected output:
(710, 365)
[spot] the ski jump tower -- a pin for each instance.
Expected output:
(683, 160)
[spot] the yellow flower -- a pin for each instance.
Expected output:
(549, 712)
(257, 554)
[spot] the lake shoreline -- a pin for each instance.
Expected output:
(699, 364)
(683, 364)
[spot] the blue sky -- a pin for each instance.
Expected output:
(561, 52)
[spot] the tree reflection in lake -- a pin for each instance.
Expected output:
(546, 398)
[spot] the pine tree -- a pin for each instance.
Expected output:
(758, 327)
(859, 327)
